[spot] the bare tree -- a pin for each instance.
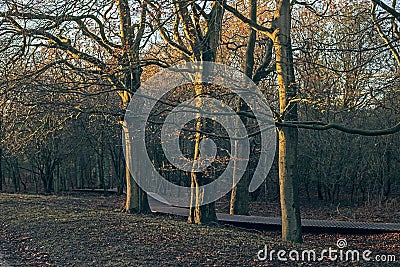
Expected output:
(201, 24)
(92, 37)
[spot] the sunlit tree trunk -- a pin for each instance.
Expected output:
(1, 169)
(288, 137)
(203, 45)
(136, 198)
(199, 212)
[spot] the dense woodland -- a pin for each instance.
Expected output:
(329, 69)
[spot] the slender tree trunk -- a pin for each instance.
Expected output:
(387, 182)
(199, 213)
(57, 181)
(117, 166)
(1, 153)
(239, 203)
(1, 169)
(15, 176)
(48, 182)
(288, 137)
(203, 47)
(81, 173)
(100, 168)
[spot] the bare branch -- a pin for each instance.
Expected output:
(387, 8)
(268, 31)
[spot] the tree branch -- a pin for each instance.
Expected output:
(321, 126)
(387, 8)
(268, 31)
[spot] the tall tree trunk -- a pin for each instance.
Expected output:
(1, 152)
(387, 179)
(81, 173)
(199, 213)
(288, 137)
(239, 203)
(136, 198)
(47, 183)
(100, 167)
(117, 166)
(15, 176)
(203, 46)
(1, 169)
(57, 185)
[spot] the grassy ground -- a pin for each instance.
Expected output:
(86, 230)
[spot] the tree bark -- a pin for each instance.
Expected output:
(1, 169)
(136, 198)
(288, 137)
(202, 47)
(199, 213)
(239, 203)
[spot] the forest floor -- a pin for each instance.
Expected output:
(89, 230)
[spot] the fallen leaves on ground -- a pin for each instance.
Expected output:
(85, 230)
